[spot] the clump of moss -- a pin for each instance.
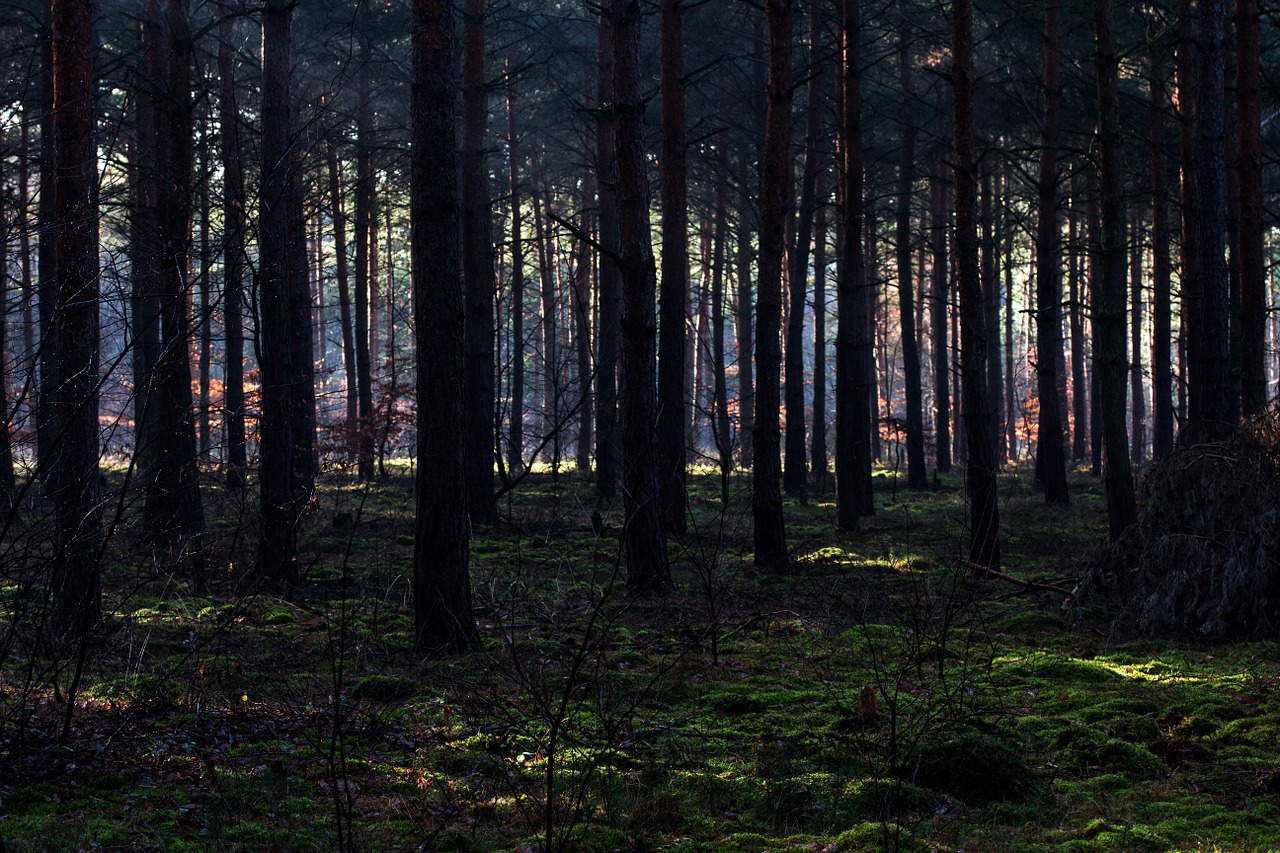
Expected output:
(976, 767)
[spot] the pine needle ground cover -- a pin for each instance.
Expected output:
(871, 697)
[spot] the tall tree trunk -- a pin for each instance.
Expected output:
(339, 215)
(1010, 412)
(285, 335)
(547, 330)
(47, 255)
(72, 330)
(233, 215)
(1109, 359)
(608, 444)
(743, 324)
(206, 301)
(917, 472)
(674, 296)
(1189, 195)
(477, 272)
(720, 405)
(515, 441)
(24, 250)
(853, 345)
(8, 489)
(980, 467)
(795, 473)
(818, 453)
(1075, 295)
(1210, 365)
(1095, 273)
(1161, 286)
(938, 324)
(172, 507)
(1052, 466)
(1251, 265)
(582, 323)
(991, 306)
(766, 495)
(645, 543)
(1137, 395)
(364, 227)
(441, 579)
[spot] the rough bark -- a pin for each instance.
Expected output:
(233, 216)
(980, 465)
(938, 324)
(1109, 362)
(364, 228)
(1161, 285)
(609, 298)
(441, 579)
(766, 495)
(338, 212)
(1251, 266)
(1137, 395)
(917, 472)
(645, 543)
(818, 464)
(515, 434)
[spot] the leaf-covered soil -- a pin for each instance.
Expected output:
(874, 697)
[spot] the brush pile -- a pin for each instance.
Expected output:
(1202, 561)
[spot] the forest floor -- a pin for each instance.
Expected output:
(874, 697)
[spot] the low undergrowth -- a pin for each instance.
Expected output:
(871, 698)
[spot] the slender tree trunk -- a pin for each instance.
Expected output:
(206, 302)
(991, 307)
(917, 472)
(24, 249)
(8, 485)
(582, 323)
(515, 442)
(674, 296)
(648, 569)
(339, 215)
(1161, 286)
(233, 216)
(284, 350)
(818, 453)
(766, 494)
(795, 473)
(364, 228)
(441, 579)
(1137, 396)
(853, 344)
(1095, 273)
(980, 470)
(608, 444)
(720, 406)
(1190, 327)
(744, 325)
(1010, 412)
(1251, 266)
(938, 325)
(1109, 359)
(1052, 466)
(47, 257)
(547, 328)
(72, 324)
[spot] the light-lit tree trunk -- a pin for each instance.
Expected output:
(609, 298)
(547, 330)
(938, 323)
(917, 472)
(1051, 458)
(1109, 355)
(515, 432)
(720, 397)
(818, 464)
(766, 494)
(582, 323)
(1161, 284)
(1137, 395)
(338, 212)
(8, 485)
(674, 294)
(980, 470)
(743, 323)
(233, 216)
(364, 227)
(443, 621)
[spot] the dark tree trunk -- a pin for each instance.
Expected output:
(991, 306)
(674, 297)
(853, 344)
(547, 330)
(1109, 358)
(795, 473)
(233, 216)
(515, 441)
(364, 229)
(582, 323)
(608, 445)
(441, 579)
(285, 335)
(1161, 296)
(818, 454)
(477, 273)
(1251, 265)
(24, 250)
(339, 215)
(766, 494)
(1094, 277)
(8, 484)
(648, 569)
(72, 331)
(206, 301)
(917, 472)
(938, 324)
(47, 256)
(980, 467)
(1052, 463)
(1010, 412)
(1190, 330)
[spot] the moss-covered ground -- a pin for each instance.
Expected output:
(873, 697)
